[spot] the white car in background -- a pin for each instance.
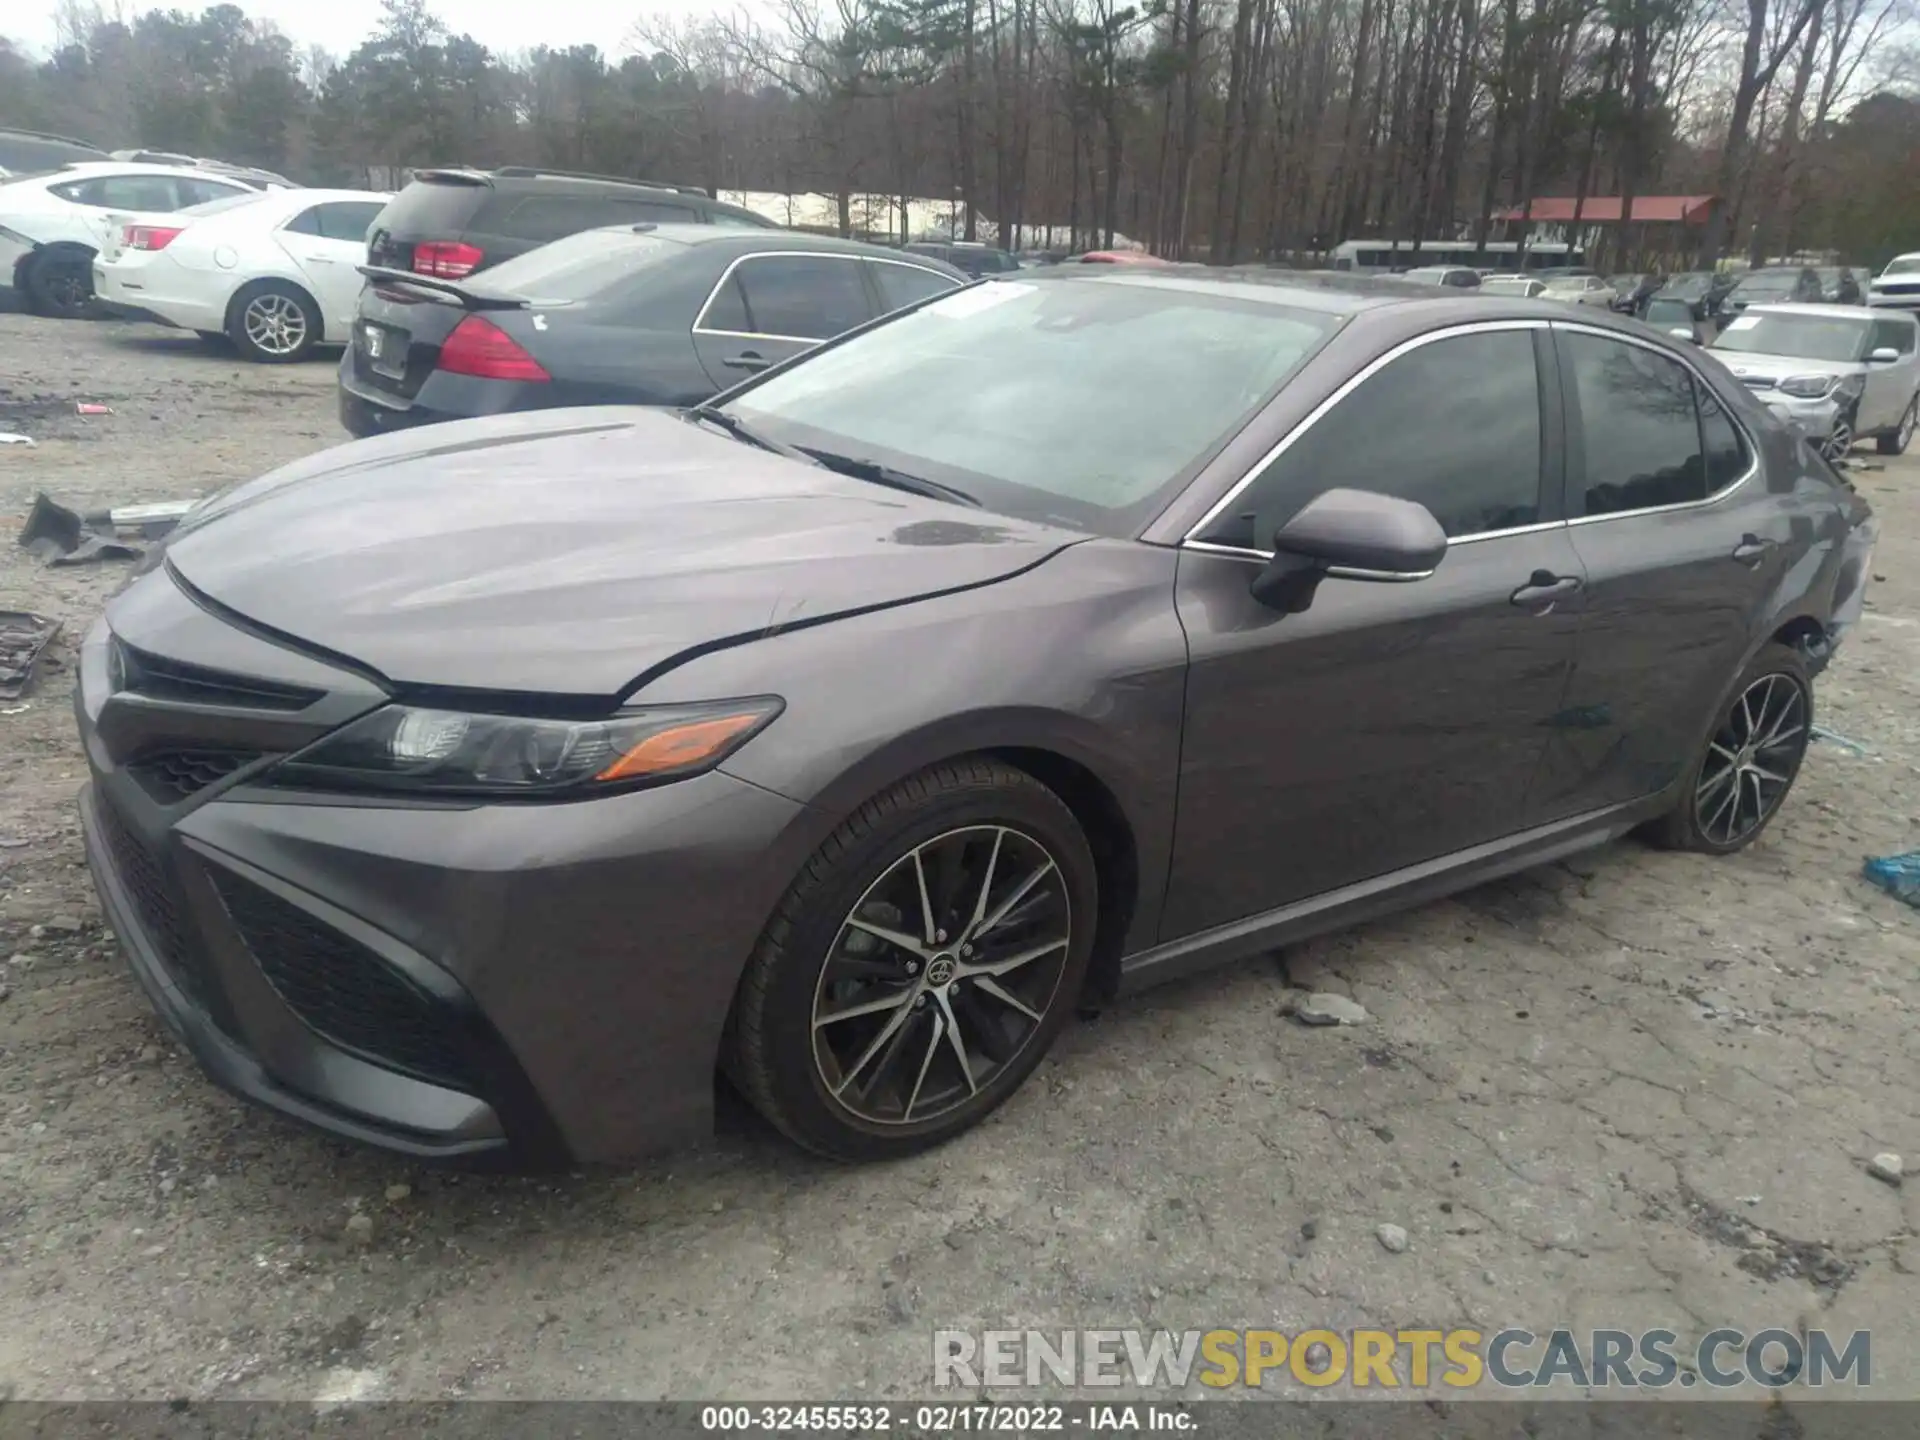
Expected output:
(1898, 286)
(277, 274)
(52, 224)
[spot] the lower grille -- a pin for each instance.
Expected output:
(145, 877)
(1757, 382)
(176, 775)
(344, 991)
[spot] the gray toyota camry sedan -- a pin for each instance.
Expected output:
(485, 791)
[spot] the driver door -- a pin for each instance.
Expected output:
(1388, 723)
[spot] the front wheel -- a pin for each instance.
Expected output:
(917, 970)
(1840, 439)
(1750, 762)
(1895, 442)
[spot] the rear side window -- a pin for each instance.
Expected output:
(549, 217)
(199, 192)
(347, 219)
(123, 192)
(1725, 447)
(901, 285)
(1453, 424)
(1640, 428)
(802, 297)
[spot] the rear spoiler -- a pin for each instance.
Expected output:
(388, 275)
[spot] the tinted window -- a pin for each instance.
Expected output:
(727, 310)
(1454, 425)
(347, 219)
(1726, 450)
(1073, 402)
(807, 297)
(549, 217)
(307, 222)
(903, 284)
(123, 192)
(579, 267)
(1641, 436)
(1896, 333)
(738, 222)
(199, 192)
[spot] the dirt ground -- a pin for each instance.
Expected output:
(1634, 1089)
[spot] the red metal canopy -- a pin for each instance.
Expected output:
(1605, 210)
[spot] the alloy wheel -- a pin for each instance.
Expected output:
(1841, 440)
(1907, 423)
(275, 324)
(941, 975)
(1752, 759)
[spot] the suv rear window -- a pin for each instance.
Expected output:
(548, 217)
(432, 209)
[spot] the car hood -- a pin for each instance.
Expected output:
(572, 552)
(1750, 364)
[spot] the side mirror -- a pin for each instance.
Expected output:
(1685, 333)
(1885, 355)
(1349, 535)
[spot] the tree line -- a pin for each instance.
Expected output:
(1225, 130)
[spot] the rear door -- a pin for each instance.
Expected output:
(1387, 724)
(328, 242)
(1682, 542)
(770, 306)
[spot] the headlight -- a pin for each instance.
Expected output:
(449, 752)
(1807, 387)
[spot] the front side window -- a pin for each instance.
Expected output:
(801, 297)
(1640, 427)
(1082, 402)
(1453, 424)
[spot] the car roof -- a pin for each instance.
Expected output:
(1328, 292)
(1824, 312)
(771, 239)
(87, 169)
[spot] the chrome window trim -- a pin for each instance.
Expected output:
(739, 260)
(1313, 417)
(1248, 552)
(1679, 506)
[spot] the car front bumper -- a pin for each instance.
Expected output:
(525, 985)
(1815, 418)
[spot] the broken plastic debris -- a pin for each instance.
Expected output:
(1834, 737)
(1898, 875)
(14, 437)
(23, 636)
(87, 407)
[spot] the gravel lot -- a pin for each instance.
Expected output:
(1635, 1089)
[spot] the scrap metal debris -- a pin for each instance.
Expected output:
(1834, 737)
(66, 537)
(14, 437)
(23, 636)
(1898, 875)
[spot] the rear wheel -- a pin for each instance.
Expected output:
(59, 283)
(919, 967)
(1750, 762)
(273, 323)
(1895, 441)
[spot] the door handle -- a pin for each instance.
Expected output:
(1752, 549)
(746, 360)
(1544, 589)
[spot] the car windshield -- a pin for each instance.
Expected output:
(1808, 337)
(1498, 286)
(1076, 402)
(1688, 287)
(1769, 282)
(1904, 265)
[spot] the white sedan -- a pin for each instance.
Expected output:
(51, 225)
(277, 274)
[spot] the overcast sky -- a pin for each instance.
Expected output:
(339, 25)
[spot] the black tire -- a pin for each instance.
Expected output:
(1695, 821)
(59, 283)
(772, 1054)
(1843, 437)
(1894, 441)
(287, 341)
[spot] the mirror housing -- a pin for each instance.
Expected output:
(1680, 332)
(1885, 355)
(1349, 535)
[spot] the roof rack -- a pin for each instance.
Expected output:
(536, 170)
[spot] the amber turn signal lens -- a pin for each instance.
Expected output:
(683, 745)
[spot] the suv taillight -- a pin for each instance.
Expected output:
(148, 237)
(447, 259)
(479, 347)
